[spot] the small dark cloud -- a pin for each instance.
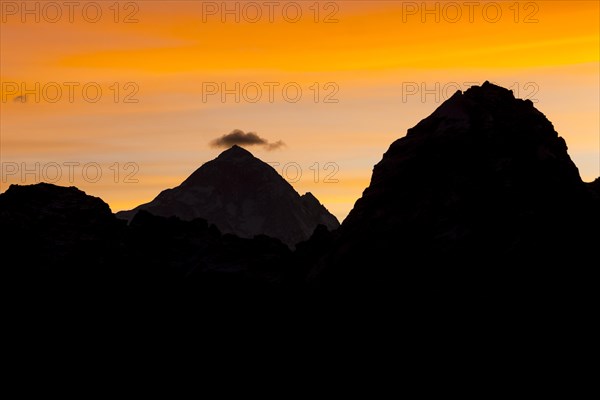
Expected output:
(240, 138)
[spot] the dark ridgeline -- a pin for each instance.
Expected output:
(242, 195)
(479, 200)
(49, 230)
(67, 250)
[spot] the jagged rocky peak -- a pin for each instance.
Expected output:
(482, 138)
(243, 195)
(485, 124)
(485, 177)
(484, 105)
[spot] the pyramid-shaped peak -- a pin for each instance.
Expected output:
(235, 152)
(242, 195)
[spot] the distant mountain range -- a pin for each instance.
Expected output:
(242, 195)
(480, 199)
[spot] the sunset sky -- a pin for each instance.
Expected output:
(361, 68)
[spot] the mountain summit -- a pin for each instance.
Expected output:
(485, 182)
(243, 195)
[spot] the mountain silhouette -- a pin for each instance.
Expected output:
(479, 202)
(242, 195)
(481, 193)
(56, 232)
(66, 250)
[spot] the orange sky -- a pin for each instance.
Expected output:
(364, 58)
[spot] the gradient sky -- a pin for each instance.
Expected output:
(372, 58)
